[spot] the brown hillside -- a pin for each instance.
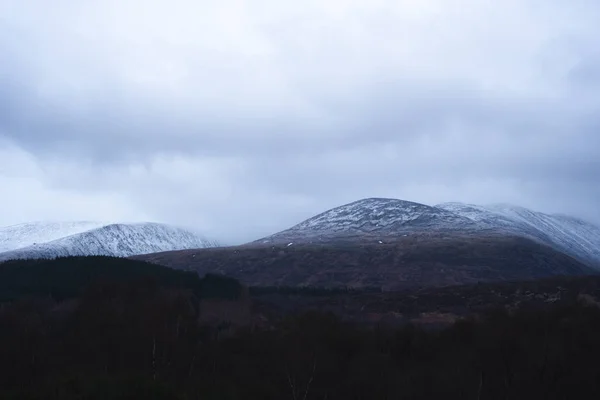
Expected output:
(408, 262)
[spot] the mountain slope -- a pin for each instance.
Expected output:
(23, 235)
(119, 240)
(573, 236)
(381, 219)
(401, 263)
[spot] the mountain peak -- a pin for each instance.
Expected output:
(384, 218)
(370, 217)
(387, 200)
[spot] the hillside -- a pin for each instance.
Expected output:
(66, 278)
(571, 235)
(427, 307)
(24, 235)
(428, 260)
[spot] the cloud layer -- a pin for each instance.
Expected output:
(241, 118)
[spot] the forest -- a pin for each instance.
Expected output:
(104, 328)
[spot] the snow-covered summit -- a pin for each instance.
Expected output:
(373, 216)
(386, 218)
(48, 240)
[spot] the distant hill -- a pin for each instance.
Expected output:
(65, 278)
(62, 239)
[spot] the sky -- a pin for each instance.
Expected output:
(242, 118)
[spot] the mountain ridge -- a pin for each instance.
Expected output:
(95, 238)
(571, 235)
(383, 218)
(21, 235)
(370, 216)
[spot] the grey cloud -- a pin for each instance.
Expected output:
(243, 144)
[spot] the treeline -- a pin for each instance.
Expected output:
(140, 341)
(311, 290)
(140, 338)
(66, 278)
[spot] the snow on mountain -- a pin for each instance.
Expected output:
(374, 216)
(18, 236)
(48, 240)
(385, 218)
(568, 234)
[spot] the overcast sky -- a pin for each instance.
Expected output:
(241, 118)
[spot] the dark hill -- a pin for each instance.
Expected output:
(406, 262)
(64, 278)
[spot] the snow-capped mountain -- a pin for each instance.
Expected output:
(48, 240)
(372, 217)
(24, 235)
(378, 218)
(571, 235)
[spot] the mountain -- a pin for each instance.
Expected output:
(50, 240)
(395, 244)
(372, 219)
(377, 219)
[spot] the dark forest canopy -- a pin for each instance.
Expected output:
(135, 331)
(143, 343)
(64, 278)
